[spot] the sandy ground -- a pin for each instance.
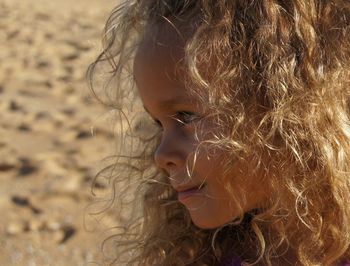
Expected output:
(48, 156)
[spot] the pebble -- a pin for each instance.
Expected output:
(34, 81)
(83, 134)
(68, 231)
(20, 200)
(43, 64)
(6, 166)
(24, 127)
(66, 51)
(68, 111)
(14, 106)
(35, 225)
(43, 126)
(15, 228)
(54, 167)
(68, 137)
(79, 45)
(58, 236)
(59, 117)
(42, 16)
(73, 182)
(27, 167)
(52, 225)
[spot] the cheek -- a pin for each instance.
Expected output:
(208, 151)
(212, 214)
(210, 166)
(251, 188)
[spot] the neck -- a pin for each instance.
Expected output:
(285, 257)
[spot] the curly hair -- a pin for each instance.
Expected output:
(281, 81)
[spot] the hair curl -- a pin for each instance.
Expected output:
(282, 82)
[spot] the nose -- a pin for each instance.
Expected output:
(170, 154)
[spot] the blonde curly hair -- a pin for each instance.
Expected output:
(282, 82)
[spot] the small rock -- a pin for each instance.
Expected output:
(79, 45)
(66, 52)
(41, 115)
(54, 167)
(72, 183)
(35, 80)
(58, 236)
(69, 69)
(83, 134)
(12, 34)
(59, 117)
(70, 57)
(70, 151)
(48, 35)
(68, 231)
(65, 78)
(42, 16)
(53, 226)
(5, 166)
(42, 64)
(24, 202)
(15, 228)
(69, 111)
(24, 127)
(99, 185)
(21, 201)
(14, 106)
(35, 225)
(68, 90)
(26, 167)
(42, 126)
(35, 210)
(48, 84)
(67, 137)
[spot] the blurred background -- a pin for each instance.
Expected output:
(48, 154)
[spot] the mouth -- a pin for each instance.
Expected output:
(186, 193)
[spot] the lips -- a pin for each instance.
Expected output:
(185, 193)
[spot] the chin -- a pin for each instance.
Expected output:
(206, 223)
(212, 221)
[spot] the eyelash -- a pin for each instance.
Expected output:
(183, 117)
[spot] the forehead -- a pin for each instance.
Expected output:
(164, 40)
(160, 53)
(159, 68)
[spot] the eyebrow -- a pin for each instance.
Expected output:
(167, 103)
(170, 103)
(174, 102)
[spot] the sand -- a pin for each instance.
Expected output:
(48, 156)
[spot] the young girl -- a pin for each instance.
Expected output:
(250, 159)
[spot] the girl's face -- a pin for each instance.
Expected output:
(194, 172)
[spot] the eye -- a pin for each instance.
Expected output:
(185, 117)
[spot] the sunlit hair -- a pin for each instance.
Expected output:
(279, 83)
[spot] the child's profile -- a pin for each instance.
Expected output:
(249, 160)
